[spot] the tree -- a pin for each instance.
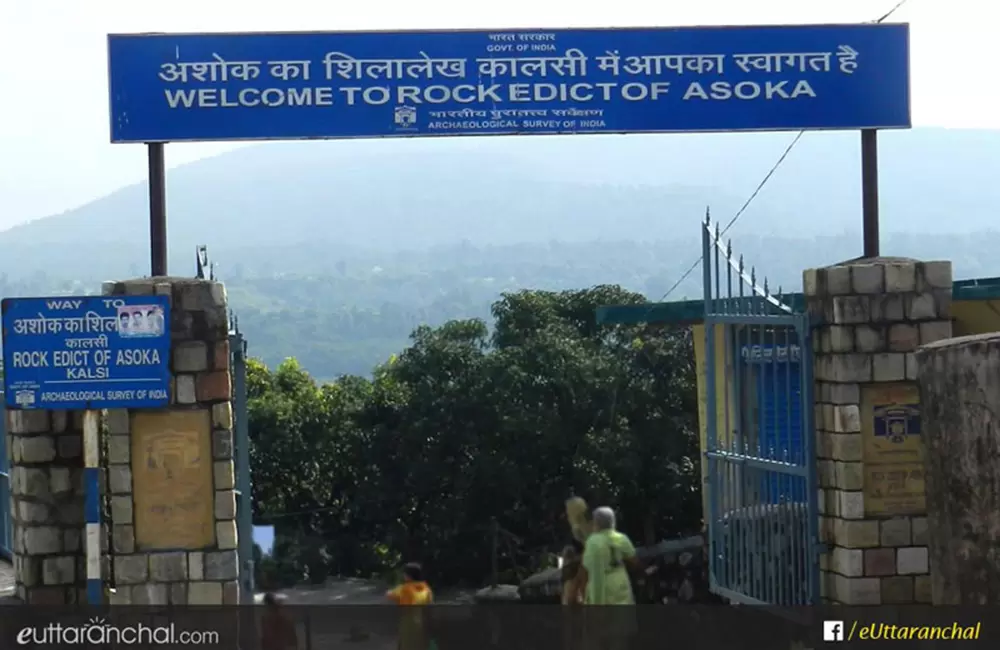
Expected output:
(465, 426)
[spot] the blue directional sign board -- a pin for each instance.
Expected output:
(175, 87)
(86, 352)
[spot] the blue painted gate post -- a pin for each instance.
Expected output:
(92, 505)
(237, 346)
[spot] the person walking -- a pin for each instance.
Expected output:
(572, 596)
(607, 557)
(413, 592)
(277, 628)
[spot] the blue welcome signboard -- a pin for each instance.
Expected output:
(253, 86)
(86, 352)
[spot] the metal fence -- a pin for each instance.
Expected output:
(763, 515)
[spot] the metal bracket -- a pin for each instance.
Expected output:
(201, 259)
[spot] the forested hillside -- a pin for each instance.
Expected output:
(333, 252)
(355, 316)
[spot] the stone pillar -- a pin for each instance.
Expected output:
(46, 483)
(960, 391)
(868, 317)
(170, 473)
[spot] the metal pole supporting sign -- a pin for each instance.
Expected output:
(157, 209)
(92, 504)
(869, 191)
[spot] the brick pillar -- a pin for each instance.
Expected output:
(869, 317)
(174, 535)
(46, 484)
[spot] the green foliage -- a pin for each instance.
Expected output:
(467, 424)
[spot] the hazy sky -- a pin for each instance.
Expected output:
(54, 149)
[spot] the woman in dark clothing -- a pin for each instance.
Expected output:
(277, 630)
(572, 596)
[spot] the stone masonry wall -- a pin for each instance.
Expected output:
(46, 461)
(960, 384)
(201, 382)
(869, 317)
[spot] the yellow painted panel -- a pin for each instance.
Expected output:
(172, 480)
(896, 489)
(723, 417)
(698, 333)
(893, 450)
(975, 317)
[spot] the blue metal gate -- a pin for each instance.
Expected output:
(6, 521)
(763, 518)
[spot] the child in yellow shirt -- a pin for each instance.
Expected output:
(414, 591)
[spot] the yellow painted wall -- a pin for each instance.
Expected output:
(969, 316)
(975, 317)
(722, 387)
(174, 493)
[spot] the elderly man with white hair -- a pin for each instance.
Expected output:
(607, 555)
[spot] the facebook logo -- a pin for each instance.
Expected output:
(833, 630)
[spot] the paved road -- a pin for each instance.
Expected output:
(6, 579)
(347, 591)
(351, 628)
(357, 628)
(355, 591)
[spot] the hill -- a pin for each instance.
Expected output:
(397, 195)
(333, 251)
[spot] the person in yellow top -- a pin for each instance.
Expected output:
(607, 557)
(414, 591)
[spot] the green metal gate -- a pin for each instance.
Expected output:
(763, 515)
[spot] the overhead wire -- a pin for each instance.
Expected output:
(739, 213)
(763, 182)
(891, 11)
